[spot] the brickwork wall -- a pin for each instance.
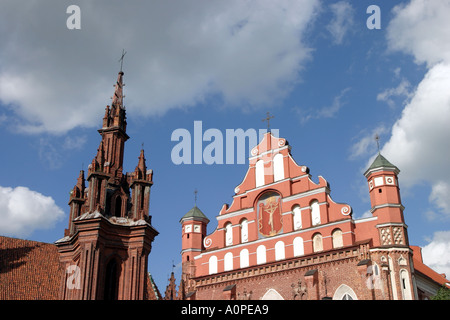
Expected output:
(311, 278)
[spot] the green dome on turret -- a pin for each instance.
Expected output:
(195, 212)
(381, 162)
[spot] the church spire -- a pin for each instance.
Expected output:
(115, 114)
(100, 158)
(115, 117)
(111, 216)
(117, 101)
(113, 132)
(141, 168)
(81, 183)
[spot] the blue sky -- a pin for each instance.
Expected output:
(330, 82)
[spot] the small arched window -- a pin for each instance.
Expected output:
(376, 269)
(259, 173)
(118, 207)
(279, 251)
(244, 258)
(344, 292)
(228, 261)
(347, 296)
(272, 294)
(244, 230)
(213, 265)
(111, 280)
(142, 197)
(278, 167)
(405, 285)
(261, 254)
(228, 234)
(317, 242)
(337, 238)
(297, 217)
(298, 247)
(99, 189)
(315, 213)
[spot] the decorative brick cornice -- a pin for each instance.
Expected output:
(356, 252)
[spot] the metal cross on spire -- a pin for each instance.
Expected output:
(268, 120)
(121, 59)
(377, 139)
(195, 196)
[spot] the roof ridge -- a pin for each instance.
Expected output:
(25, 240)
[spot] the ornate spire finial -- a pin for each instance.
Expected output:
(118, 92)
(377, 139)
(121, 59)
(268, 120)
(80, 180)
(141, 169)
(195, 196)
(118, 95)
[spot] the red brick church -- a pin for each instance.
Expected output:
(283, 237)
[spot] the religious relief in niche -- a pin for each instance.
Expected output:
(245, 295)
(269, 215)
(300, 291)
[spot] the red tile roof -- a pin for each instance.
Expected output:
(29, 270)
(425, 270)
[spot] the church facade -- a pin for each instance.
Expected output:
(284, 237)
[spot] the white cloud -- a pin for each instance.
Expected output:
(403, 90)
(436, 254)
(22, 211)
(249, 53)
(421, 28)
(325, 112)
(365, 214)
(49, 154)
(342, 21)
(3, 119)
(440, 196)
(74, 143)
(366, 143)
(419, 143)
(53, 152)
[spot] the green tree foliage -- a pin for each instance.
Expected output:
(442, 294)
